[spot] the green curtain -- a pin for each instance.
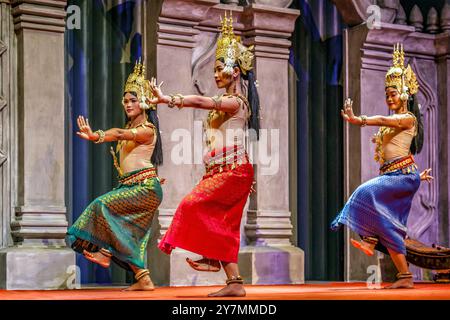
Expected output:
(317, 59)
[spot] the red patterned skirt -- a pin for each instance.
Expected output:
(207, 221)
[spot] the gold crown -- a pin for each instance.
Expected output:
(137, 83)
(230, 48)
(404, 79)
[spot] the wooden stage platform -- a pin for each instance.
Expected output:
(322, 291)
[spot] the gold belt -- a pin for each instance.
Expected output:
(139, 176)
(401, 163)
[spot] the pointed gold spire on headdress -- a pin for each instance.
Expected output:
(404, 79)
(230, 48)
(137, 84)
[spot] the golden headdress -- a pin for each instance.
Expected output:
(404, 79)
(231, 50)
(138, 84)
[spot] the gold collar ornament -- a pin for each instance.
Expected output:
(231, 49)
(404, 79)
(138, 84)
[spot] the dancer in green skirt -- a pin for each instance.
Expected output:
(116, 225)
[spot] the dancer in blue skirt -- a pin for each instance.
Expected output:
(378, 209)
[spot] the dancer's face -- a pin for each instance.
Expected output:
(223, 80)
(131, 105)
(393, 99)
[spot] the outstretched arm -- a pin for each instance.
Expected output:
(402, 122)
(142, 135)
(227, 104)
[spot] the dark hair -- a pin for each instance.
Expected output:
(157, 156)
(413, 107)
(252, 97)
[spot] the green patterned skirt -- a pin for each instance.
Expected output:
(120, 220)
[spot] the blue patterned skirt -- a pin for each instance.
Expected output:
(380, 207)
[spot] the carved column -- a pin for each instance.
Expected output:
(6, 120)
(270, 257)
(39, 259)
(443, 82)
(272, 54)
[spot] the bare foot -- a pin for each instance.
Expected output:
(231, 290)
(98, 258)
(402, 284)
(365, 247)
(205, 264)
(144, 284)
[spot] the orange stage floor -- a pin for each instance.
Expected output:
(325, 291)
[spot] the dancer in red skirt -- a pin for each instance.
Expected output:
(207, 221)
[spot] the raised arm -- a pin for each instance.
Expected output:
(401, 121)
(142, 135)
(228, 104)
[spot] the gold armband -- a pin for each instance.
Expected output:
(134, 132)
(217, 102)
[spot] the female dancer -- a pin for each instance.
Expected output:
(378, 209)
(207, 221)
(117, 224)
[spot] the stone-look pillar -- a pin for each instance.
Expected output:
(40, 258)
(269, 257)
(443, 82)
(7, 114)
(368, 56)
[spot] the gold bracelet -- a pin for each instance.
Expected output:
(101, 136)
(171, 103)
(363, 120)
(179, 95)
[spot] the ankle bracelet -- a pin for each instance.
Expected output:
(404, 275)
(138, 276)
(234, 279)
(370, 240)
(105, 252)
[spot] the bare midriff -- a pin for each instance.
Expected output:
(135, 155)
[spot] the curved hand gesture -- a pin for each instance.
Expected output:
(85, 129)
(156, 91)
(424, 175)
(347, 113)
